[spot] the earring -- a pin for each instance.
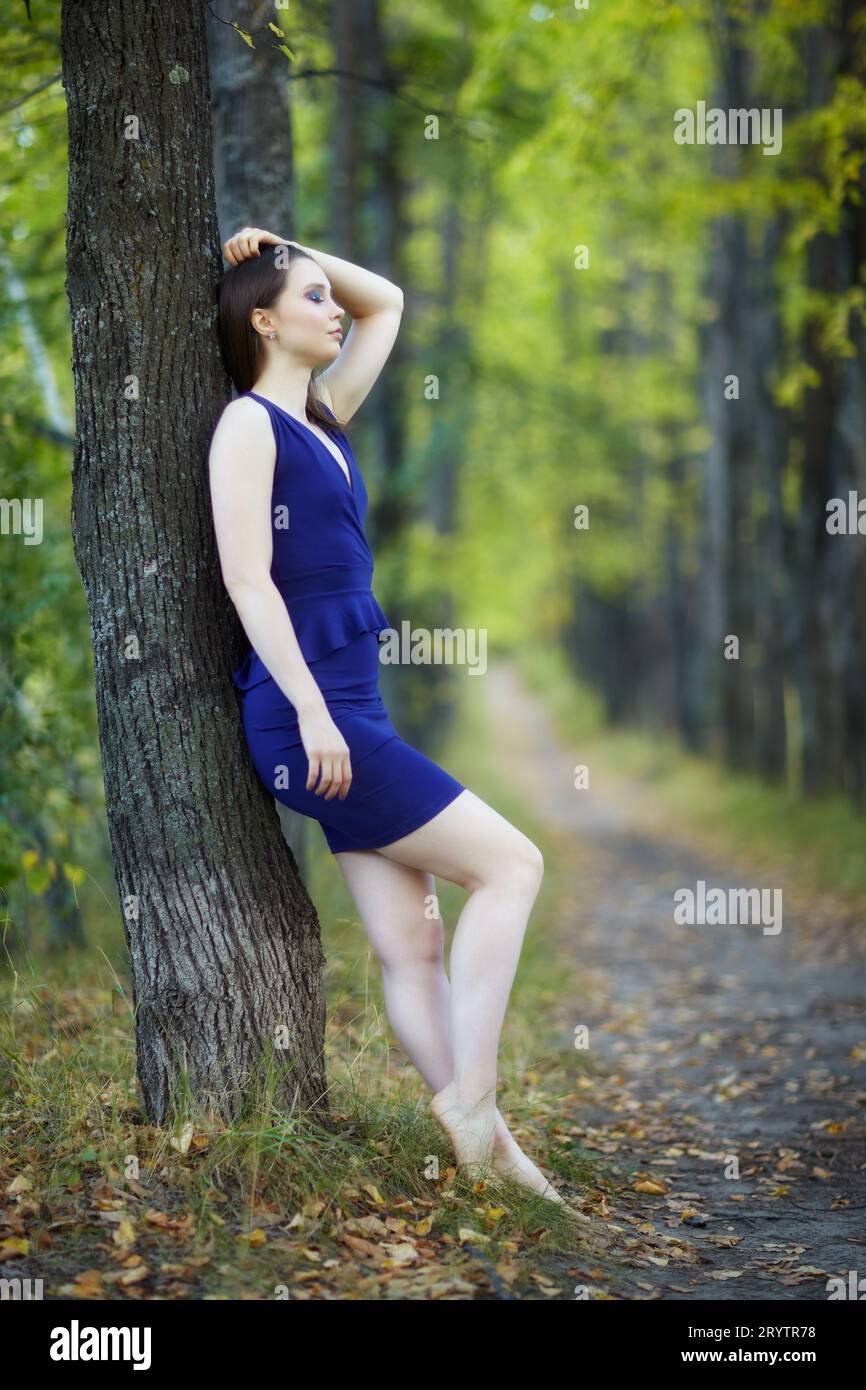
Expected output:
(272, 335)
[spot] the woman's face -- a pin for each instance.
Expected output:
(305, 317)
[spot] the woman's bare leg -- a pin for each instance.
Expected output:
(472, 845)
(391, 900)
(397, 905)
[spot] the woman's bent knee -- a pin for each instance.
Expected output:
(517, 864)
(529, 863)
(537, 861)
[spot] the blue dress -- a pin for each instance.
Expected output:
(323, 568)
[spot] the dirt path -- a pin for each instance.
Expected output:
(707, 1044)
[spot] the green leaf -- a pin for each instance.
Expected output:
(247, 38)
(37, 880)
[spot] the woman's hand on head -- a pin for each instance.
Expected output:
(244, 245)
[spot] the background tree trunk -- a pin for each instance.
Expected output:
(255, 179)
(253, 152)
(831, 568)
(368, 229)
(223, 938)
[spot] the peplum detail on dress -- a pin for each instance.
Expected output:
(322, 623)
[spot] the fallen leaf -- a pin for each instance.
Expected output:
(401, 1254)
(182, 1141)
(652, 1186)
(125, 1233)
(466, 1233)
(12, 1246)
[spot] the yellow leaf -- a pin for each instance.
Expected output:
(19, 1184)
(279, 33)
(29, 858)
(13, 1245)
(88, 1284)
(466, 1233)
(374, 1193)
(184, 1139)
(401, 1254)
(125, 1233)
(247, 38)
(651, 1185)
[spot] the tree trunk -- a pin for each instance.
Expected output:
(771, 431)
(744, 570)
(830, 569)
(253, 153)
(223, 938)
(255, 183)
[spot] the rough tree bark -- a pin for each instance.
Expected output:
(223, 938)
(253, 152)
(255, 184)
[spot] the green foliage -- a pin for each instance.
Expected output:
(50, 785)
(557, 386)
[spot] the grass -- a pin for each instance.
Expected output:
(102, 1204)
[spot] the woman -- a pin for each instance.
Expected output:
(289, 504)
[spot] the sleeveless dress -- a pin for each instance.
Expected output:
(323, 567)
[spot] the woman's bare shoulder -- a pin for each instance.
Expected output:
(241, 415)
(243, 429)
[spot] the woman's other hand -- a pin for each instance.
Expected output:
(328, 752)
(245, 244)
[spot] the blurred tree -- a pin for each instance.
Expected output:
(831, 569)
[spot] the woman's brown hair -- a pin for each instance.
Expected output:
(255, 284)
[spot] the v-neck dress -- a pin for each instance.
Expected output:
(323, 568)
